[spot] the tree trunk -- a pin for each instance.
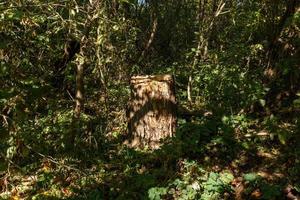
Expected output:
(79, 90)
(79, 103)
(152, 110)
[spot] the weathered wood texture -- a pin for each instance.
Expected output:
(152, 110)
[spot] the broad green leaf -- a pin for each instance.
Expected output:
(251, 177)
(226, 177)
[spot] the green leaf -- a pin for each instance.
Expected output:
(226, 177)
(156, 193)
(213, 176)
(15, 15)
(250, 177)
(283, 137)
(262, 102)
(297, 187)
(296, 102)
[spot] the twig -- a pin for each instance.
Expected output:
(49, 158)
(11, 162)
(70, 95)
(5, 119)
(33, 5)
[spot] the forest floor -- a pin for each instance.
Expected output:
(208, 159)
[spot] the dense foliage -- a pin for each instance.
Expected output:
(64, 75)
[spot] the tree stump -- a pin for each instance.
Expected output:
(152, 110)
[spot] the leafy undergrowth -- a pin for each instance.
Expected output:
(210, 158)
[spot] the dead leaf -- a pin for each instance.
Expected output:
(256, 194)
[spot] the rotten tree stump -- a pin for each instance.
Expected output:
(152, 110)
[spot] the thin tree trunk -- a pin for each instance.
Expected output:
(272, 53)
(79, 103)
(79, 100)
(206, 24)
(189, 89)
(152, 35)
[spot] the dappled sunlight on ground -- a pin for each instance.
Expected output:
(204, 160)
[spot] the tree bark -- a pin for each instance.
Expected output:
(272, 52)
(79, 104)
(152, 110)
(79, 90)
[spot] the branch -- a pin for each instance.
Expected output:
(151, 38)
(50, 159)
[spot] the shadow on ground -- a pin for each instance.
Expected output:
(259, 168)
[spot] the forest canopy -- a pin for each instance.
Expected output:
(66, 69)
